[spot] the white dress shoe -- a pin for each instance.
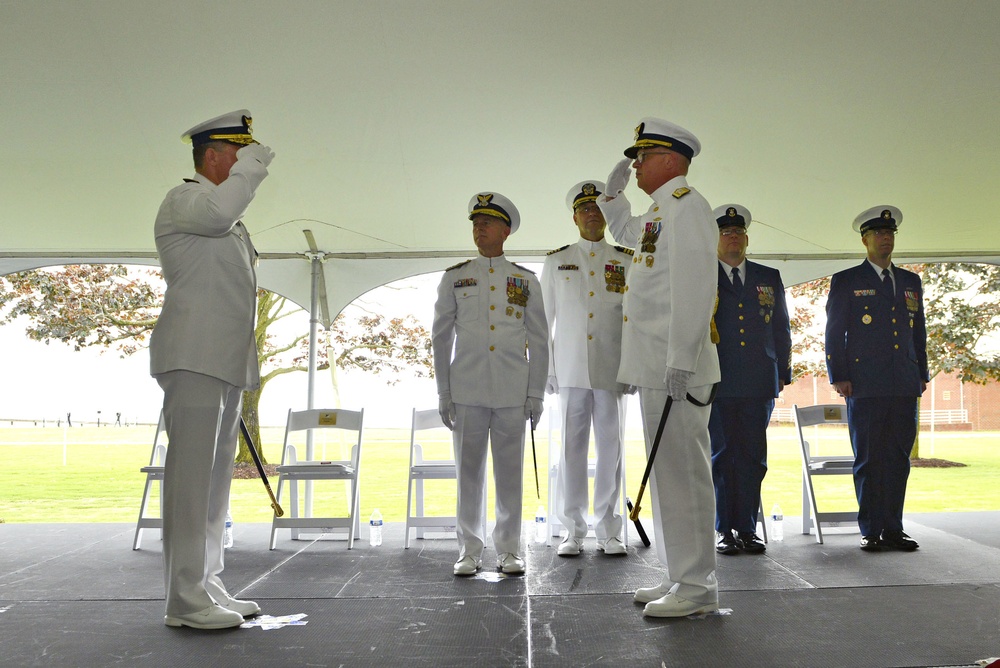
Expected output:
(510, 563)
(647, 594)
(467, 565)
(570, 547)
(212, 617)
(673, 605)
(612, 546)
(245, 608)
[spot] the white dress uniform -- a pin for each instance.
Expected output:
(490, 354)
(668, 305)
(583, 285)
(203, 354)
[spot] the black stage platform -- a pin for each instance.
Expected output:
(77, 595)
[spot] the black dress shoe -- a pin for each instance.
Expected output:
(897, 540)
(871, 543)
(751, 542)
(727, 543)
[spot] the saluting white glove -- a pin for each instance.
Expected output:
(446, 408)
(677, 383)
(533, 411)
(552, 385)
(618, 178)
(262, 154)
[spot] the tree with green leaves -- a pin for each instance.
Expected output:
(115, 307)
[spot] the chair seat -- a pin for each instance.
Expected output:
(313, 469)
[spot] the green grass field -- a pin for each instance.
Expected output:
(92, 475)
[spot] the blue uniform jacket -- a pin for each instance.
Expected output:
(875, 339)
(755, 340)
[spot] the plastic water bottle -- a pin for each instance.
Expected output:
(227, 536)
(541, 526)
(777, 523)
(375, 529)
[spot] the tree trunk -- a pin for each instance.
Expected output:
(251, 401)
(915, 453)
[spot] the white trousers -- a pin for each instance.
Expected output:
(502, 429)
(681, 493)
(201, 415)
(606, 410)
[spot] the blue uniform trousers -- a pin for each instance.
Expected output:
(883, 430)
(738, 428)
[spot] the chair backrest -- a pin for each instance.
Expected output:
(325, 418)
(158, 455)
(423, 420)
(808, 416)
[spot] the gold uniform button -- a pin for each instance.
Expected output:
(493, 307)
(895, 333)
(740, 305)
(491, 270)
(741, 317)
(743, 343)
(896, 346)
(743, 331)
(626, 288)
(626, 318)
(491, 348)
(591, 273)
(656, 208)
(589, 337)
(590, 315)
(493, 287)
(592, 255)
(493, 327)
(894, 321)
(591, 293)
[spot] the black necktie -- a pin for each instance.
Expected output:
(887, 281)
(737, 281)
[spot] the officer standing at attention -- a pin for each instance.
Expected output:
(490, 343)
(876, 357)
(583, 284)
(203, 354)
(755, 355)
(667, 350)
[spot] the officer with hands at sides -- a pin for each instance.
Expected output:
(490, 343)
(583, 284)
(876, 357)
(755, 345)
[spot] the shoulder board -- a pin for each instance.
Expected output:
(680, 192)
(627, 251)
(190, 181)
(523, 268)
(551, 252)
(456, 266)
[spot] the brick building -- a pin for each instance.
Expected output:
(953, 405)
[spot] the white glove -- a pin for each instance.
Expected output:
(631, 389)
(677, 383)
(262, 154)
(533, 411)
(446, 408)
(552, 385)
(618, 178)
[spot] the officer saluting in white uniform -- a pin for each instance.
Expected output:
(667, 349)
(203, 354)
(490, 343)
(583, 284)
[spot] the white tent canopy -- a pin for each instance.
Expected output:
(387, 116)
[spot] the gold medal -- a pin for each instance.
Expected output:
(867, 319)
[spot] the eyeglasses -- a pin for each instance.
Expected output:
(882, 233)
(640, 156)
(732, 232)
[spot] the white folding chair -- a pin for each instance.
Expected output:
(822, 465)
(308, 469)
(154, 474)
(426, 425)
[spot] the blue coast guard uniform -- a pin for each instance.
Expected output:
(876, 338)
(755, 344)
